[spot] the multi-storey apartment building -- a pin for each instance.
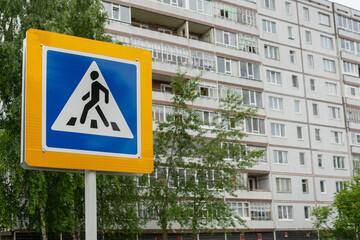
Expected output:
(296, 60)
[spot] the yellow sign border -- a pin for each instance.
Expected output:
(33, 155)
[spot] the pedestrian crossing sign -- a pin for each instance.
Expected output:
(92, 108)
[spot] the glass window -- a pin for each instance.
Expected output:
(315, 109)
(283, 185)
(302, 158)
(290, 33)
(270, 4)
(334, 112)
(273, 77)
(336, 137)
(292, 56)
(320, 161)
(297, 106)
(339, 162)
(310, 60)
(305, 186)
(269, 26)
(322, 186)
(308, 37)
(285, 212)
(312, 84)
(288, 8)
(271, 52)
(317, 135)
(326, 42)
(331, 88)
(276, 103)
(340, 185)
(324, 19)
(277, 130)
(306, 13)
(307, 212)
(295, 82)
(280, 157)
(299, 132)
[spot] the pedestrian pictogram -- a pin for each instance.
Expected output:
(92, 109)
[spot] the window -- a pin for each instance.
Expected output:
(302, 158)
(208, 90)
(288, 8)
(276, 103)
(340, 185)
(120, 12)
(331, 88)
(306, 13)
(255, 125)
(322, 186)
(326, 42)
(339, 162)
(336, 137)
(247, 43)
(297, 106)
(307, 212)
(355, 138)
(308, 37)
(283, 185)
(349, 24)
(324, 19)
(280, 157)
(260, 211)
(166, 88)
(317, 135)
(269, 26)
(271, 52)
(290, 33)
(312, 84)
(299, 132)
(277, 130)
(334, 112)
(249, 70)
(224, 65)
(160, 113)
(270, 4)
(252, 98)
(273, 77)
(352, 91)
(320, 161)
(200, 6)
(240, 209)
(304, 186)
(285, 212)
(315, 109)
(295, 82)
(310, 60)
(292, 56)
(207, 117)
(329, 65)
(351, 68)
(225, 38)
(163, 30)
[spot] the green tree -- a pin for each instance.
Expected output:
(191, 154)
(341, 219)
(45, 201)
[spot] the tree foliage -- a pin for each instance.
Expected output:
(46, 201)
(197, 161)
(341, 219)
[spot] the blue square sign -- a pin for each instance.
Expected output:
(90, 104)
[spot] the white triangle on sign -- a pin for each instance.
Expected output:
(95, 121)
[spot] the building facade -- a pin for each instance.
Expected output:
(296, 60)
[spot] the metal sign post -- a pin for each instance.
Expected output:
(90, 206)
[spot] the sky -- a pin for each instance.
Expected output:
(350, 3)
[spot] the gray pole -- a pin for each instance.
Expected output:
(90, 205)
